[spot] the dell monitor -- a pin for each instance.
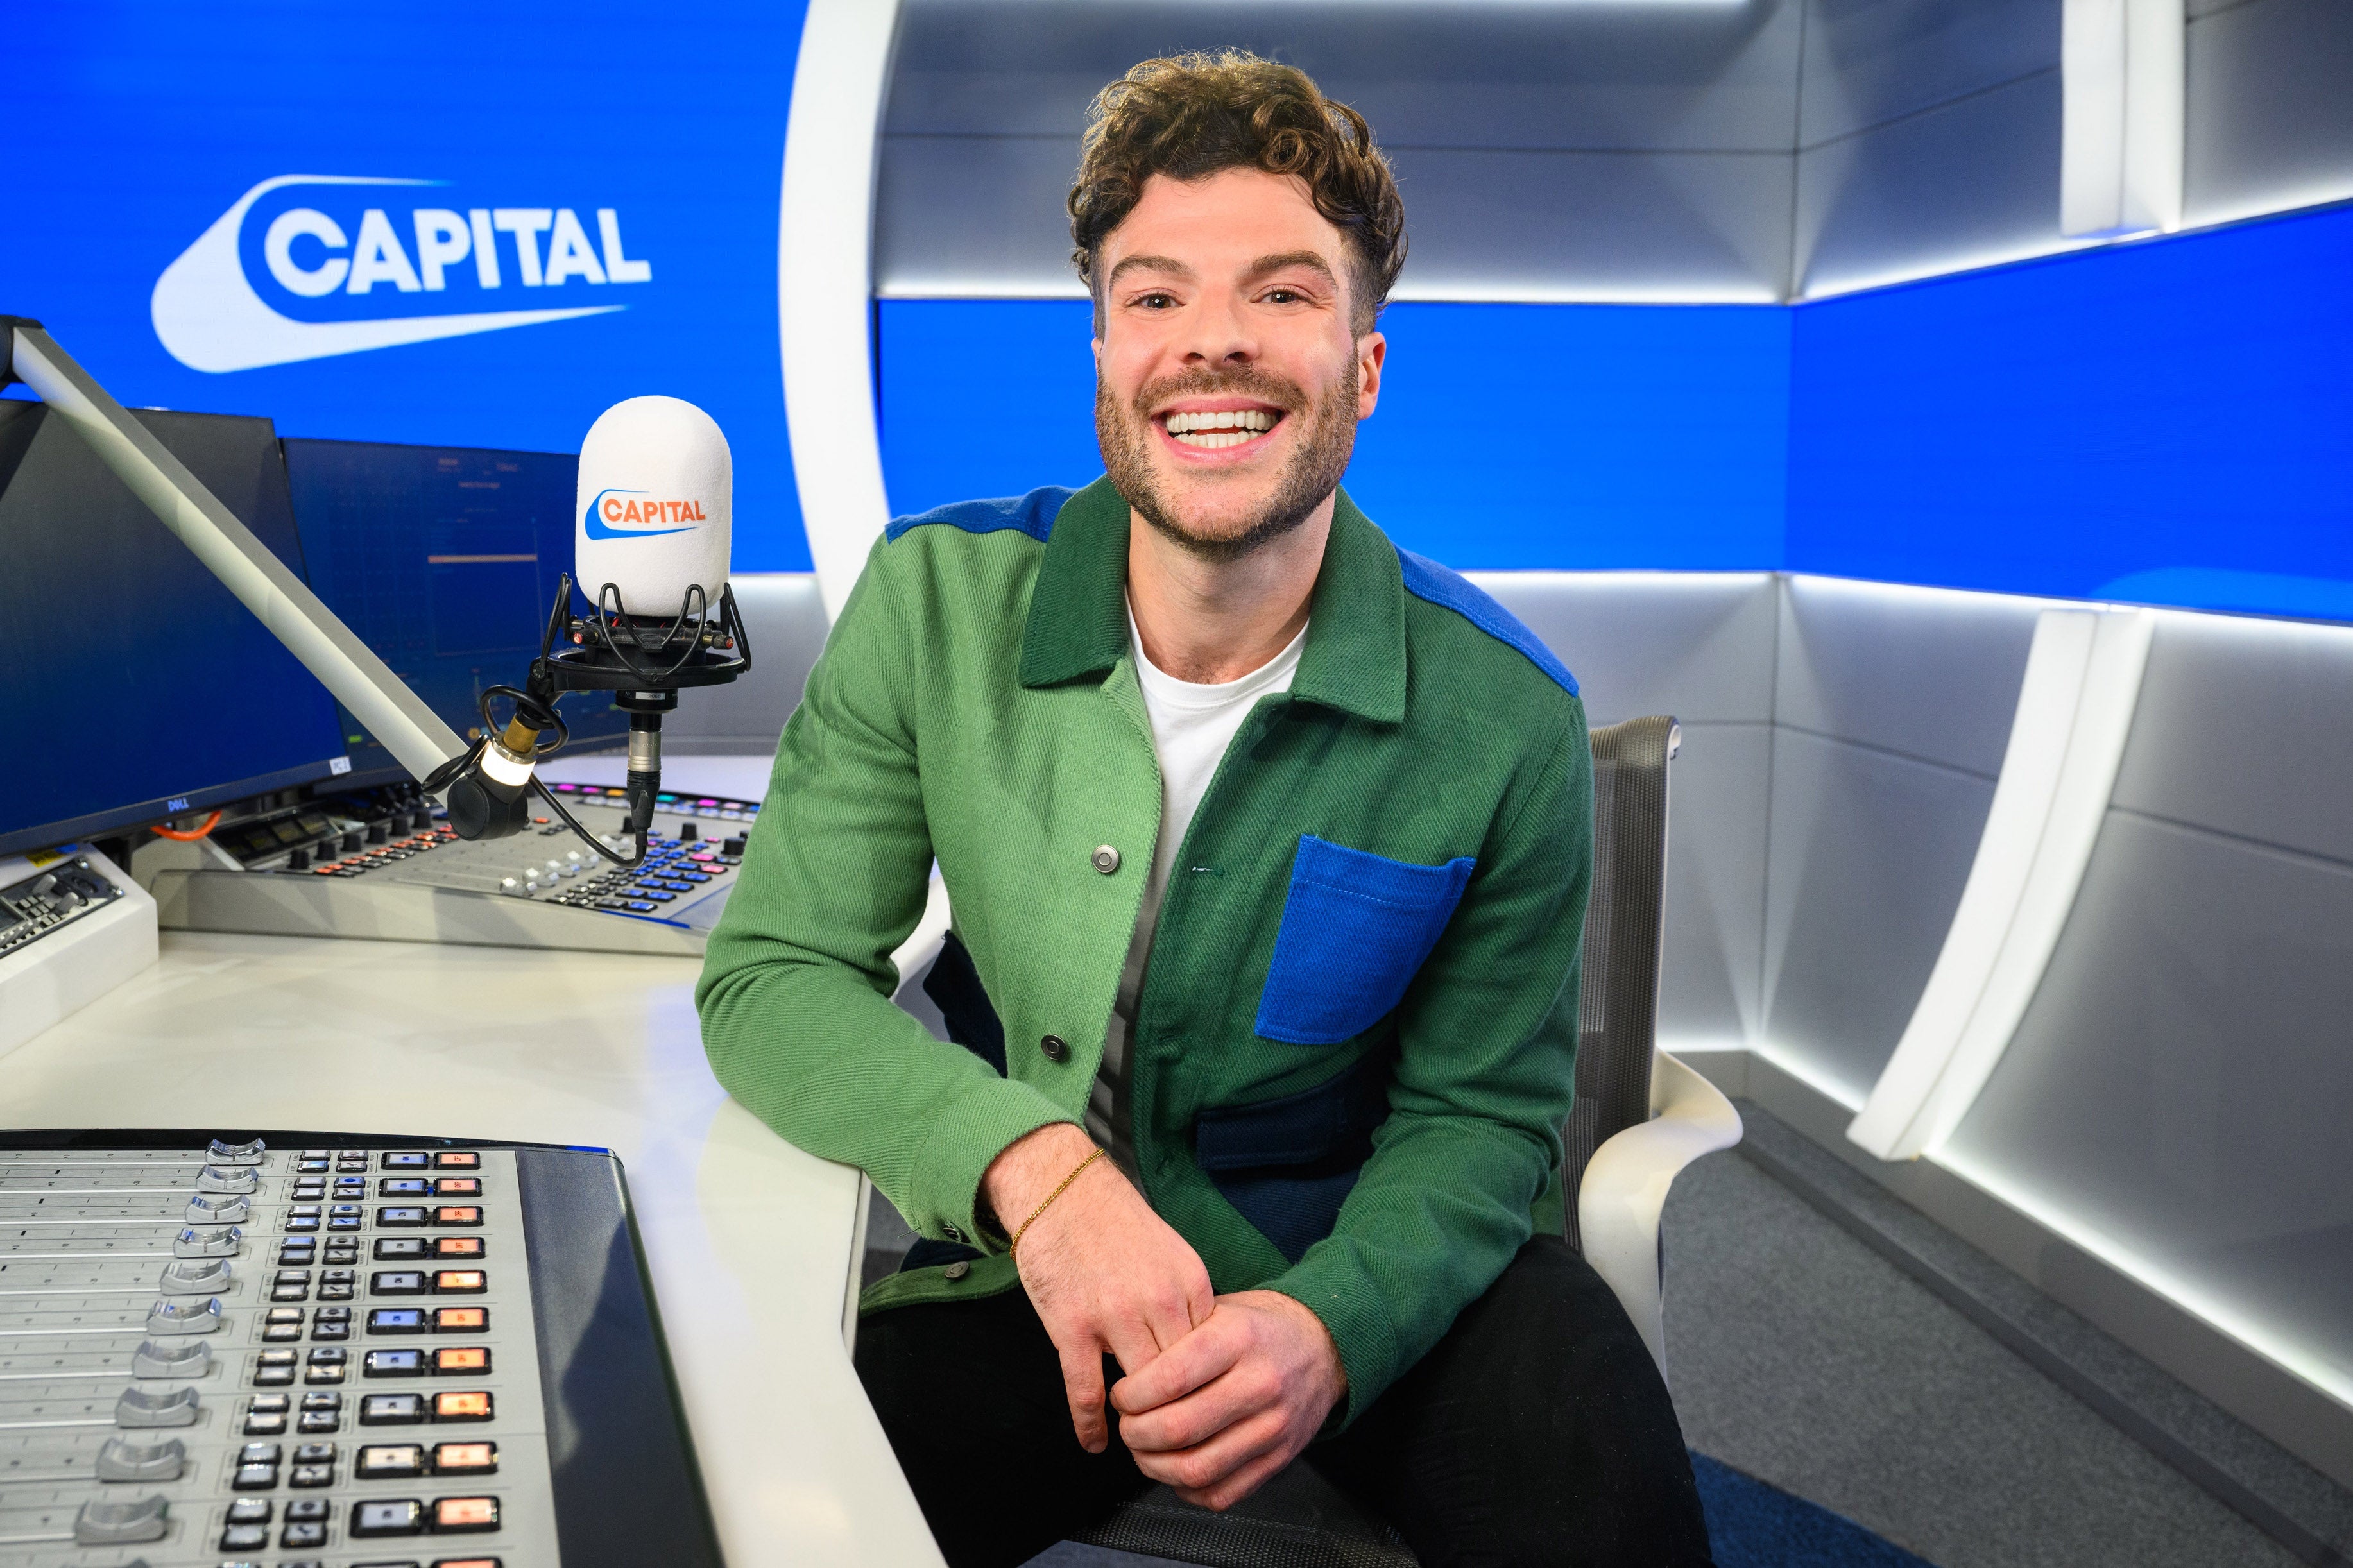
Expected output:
(136, 689)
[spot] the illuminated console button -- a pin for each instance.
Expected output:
(395, 1321)
(457, 1160)
(403, 1187)
(456, 1361)
(466, 1214)
(465, 1458)
(392, 1410)
(452, 1515)
(254, 1478)
(474, 1405)
(461, 1282)
(302, 1537)
(460, 1320)
(244, 1537)
(384, 1461)
(392, 1516)
(458, 1187)
(399, 1247)
(459, 1247)
(396, 1218)
(395, 1363)
(399, 1282)
(407, 1160)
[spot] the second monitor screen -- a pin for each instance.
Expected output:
(444, 559)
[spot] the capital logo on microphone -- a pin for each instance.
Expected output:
(305, 267)
(612, 507)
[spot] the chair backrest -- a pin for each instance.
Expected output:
(1618, 1007)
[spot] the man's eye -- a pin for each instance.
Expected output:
(1284, 296)
(1156, 302)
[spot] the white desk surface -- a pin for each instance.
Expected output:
(750, 1241)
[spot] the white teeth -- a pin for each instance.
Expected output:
(1248, 420)
(1214, 439)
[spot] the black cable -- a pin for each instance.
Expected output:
(588, 837)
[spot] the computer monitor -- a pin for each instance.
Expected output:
(444, 559)
(134, 686)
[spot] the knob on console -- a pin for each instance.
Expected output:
(298, 859)
(377, 833)
(351, 840)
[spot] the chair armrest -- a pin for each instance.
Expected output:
(1626, 1182)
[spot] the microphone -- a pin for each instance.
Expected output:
(653, 521)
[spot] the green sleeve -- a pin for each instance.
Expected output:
(796, 989)
(1487, 1070)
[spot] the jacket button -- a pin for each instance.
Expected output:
(1106, 858)
(956, 1270)
(952, 1233)
(1056, 1049)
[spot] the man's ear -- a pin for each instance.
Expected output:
(1372, 352)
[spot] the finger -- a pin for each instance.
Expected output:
(1192, 1362)
(1241, 1482)
(1083, 1382)
(1187, 1423)
(1170, 1310)
(1130, 1341)
(1202, 1468)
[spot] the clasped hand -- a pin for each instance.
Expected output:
(1220, 1391)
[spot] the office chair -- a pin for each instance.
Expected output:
(1639, 1118)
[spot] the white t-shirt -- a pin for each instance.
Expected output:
(1192, 725)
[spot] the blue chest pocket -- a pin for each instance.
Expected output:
(1356, 928)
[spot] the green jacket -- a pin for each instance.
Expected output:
(1355, 1047)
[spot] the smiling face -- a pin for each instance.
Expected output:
(1228, 377)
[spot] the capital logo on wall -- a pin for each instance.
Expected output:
(306, 267)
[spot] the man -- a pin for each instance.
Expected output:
(1268, 846)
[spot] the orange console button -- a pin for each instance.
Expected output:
(456, 1186)
(457, 1246)
(465, 1513)
(457, 1160)
(452, 1360)
(460, 1320)
(465, 1458)
(471, 1406)
(467, 1214)
(461, 1282)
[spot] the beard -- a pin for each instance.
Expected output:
(1307, 480)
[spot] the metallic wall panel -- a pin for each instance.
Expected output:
(975, 216)
(1966, 184)
(2180, 1086)
(1919, 671)
(1866, 859)
(1698, 646)
(962, 216)
(2270, 109)
(1714, 919)
(1465, 74)
(1546, 152)
(1870, 61)
(784, 622)
(1594, 225)
(2245, 726)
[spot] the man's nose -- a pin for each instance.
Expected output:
(1219, 333)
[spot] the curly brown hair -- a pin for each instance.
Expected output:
(1191, 115)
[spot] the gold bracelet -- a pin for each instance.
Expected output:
(1015, 1245)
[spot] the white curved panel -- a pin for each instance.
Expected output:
(824, 283)
(2074, 710)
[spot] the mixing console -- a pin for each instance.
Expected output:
(309, 1351)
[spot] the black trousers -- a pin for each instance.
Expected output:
(1537, 1431)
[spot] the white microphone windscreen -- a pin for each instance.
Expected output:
(656, 505)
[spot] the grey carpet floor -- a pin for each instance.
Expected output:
(1799, 1355)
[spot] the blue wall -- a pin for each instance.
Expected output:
(135, 125)
(2170, 422)
(1507, 436)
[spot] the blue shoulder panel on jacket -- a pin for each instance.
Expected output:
(1033, 515)
(1426, 579)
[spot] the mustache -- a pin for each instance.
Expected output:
(1234, 381)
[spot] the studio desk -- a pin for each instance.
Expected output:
(751, 1244)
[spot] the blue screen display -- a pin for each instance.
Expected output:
(1507, 436)
(394, 225)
